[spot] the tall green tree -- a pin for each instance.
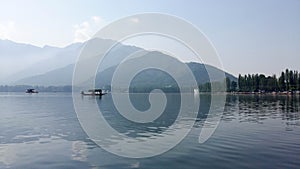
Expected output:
(262, 82)
(291, 80)
(228, 84)
(256, 80)
(233, 86)
(287, 82)
(241, 83)
(281, 82)
(297, 80)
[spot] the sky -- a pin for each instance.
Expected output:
(251, 36)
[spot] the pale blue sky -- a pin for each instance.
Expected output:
(261, 36)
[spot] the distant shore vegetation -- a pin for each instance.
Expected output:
(23, 88)
(288, 82)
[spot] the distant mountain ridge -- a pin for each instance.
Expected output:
(153, 77)
(63, 76)
(19, 60)
(55, 66)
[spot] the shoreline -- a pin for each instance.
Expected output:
(285, 93)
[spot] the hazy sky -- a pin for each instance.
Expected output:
(261, 36)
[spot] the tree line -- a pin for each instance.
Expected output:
(22, 88)
(289, 80)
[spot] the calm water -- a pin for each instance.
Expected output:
(42, 131)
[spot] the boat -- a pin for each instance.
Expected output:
(31, 91)
(93, 92)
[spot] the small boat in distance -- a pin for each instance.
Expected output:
(93, 92)
(31, 91)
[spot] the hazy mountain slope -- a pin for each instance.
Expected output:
(14, 49)
(53, 58)
(58, 69)
(58, 77)
(155, 77)
(19, 61)
(17, 56)
(63, 76)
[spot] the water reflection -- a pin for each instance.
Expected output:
(7, 155)
(241, 108)
(141, 102)
(254, 132)
(79, 151)
(255, 108)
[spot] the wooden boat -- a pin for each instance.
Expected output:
(93, 92)
(31, 91)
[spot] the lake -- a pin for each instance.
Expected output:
(42, 131)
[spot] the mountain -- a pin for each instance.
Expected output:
(14, 49)
(23, 60)
(63, 76)
(54, 66)
(155, 78)
(57, 77)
